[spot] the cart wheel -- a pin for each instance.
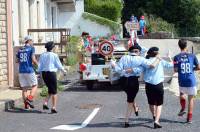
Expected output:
(89, 85)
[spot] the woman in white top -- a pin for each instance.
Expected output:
(49, 63)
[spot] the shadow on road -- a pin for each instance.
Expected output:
(119, 125)
(148, 120)
(136, 122)
(21, 110)
(78, 87)
(65, 82)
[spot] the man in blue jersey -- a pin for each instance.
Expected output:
(185, 63)
(27, 78)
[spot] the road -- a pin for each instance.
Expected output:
(77, 105)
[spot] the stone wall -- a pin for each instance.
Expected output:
(158, 35)
(3, 44)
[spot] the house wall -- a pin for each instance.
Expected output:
(28, 14)
(93, 28)
(3, 44)
(15, 18)
(70, 19)
(77, 24)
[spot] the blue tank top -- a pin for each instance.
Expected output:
(24, 56)
(185, 63)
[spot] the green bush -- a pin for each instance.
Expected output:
(44, 91)
(72, 45)
(158, 24)
(115, 27)
(198, 94)
(72, 59)
(182, 13)
(110, 9)
(71, 50)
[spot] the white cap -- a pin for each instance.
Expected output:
(28, 37)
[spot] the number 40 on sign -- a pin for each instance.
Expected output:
(106, 48)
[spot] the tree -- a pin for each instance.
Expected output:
(110, 9)
(183, 13)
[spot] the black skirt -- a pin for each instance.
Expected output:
(131, 87)
(50, 80)
(155, 93)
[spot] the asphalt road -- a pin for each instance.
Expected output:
(76, 104)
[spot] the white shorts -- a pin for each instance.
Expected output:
(27, 80)
(188, 90)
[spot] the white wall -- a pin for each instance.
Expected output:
(77, 24)
(23, 18)
(27, 14)
(22, 9)
(70, 19)
(48, 14)
(15, 19)
(93, 28)
(33, 15)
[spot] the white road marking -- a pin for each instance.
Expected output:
(75, 127)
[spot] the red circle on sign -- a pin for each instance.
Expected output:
(106, 48)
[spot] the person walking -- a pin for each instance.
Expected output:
(27, 78)
(142, 24)
(49, 63)
(154, 78)
(129, 80)
(185, 63)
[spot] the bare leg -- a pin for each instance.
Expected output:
(183, 104)
(135, 107)
(190, 107)
(158, 113)
(54, 101)
(190, 103)
(46, 100)
(24, 94)
(129, 111)
(33, 91)
(182, 101)
(152, 109)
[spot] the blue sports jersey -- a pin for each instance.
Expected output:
(185, 63)
(24, 56)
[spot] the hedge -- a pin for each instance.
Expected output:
(157, 24)
(110, 9)
(71, 50)
(115, 27)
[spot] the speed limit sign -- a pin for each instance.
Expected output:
(106, 48)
